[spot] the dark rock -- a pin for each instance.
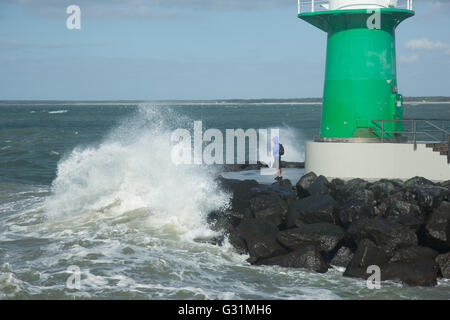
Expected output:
(216, 241)
(420, 272)
(354, 186)
(354, 210)
(307, 257)
(416, 273)
(414, 253)
(367, 254)
(384, 188)
(260, 238)
(443, 262)
(336, 186)
(269, 206)
(342, 258)
(413, 221)
(384, 233)
(398, 208)
(418, 181)
(365, 196)
(429, 197)
(243, 166)
(283, 190)
(437, 228)
(240, 192)
(239, 188)
(405, 195)
(323, 236)
(446, 184)
(304, 183)
(313, 209)
(380, 209)
(238, 243)
(284, 182)
(320, 186)
(222, 220)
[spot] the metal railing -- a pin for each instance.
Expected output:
(323, 5)
(415, 130)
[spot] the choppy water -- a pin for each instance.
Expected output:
(93, 187)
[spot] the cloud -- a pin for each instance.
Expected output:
(409, 59)
(426, 44)
(439, 3)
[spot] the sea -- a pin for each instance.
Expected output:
(93, 207)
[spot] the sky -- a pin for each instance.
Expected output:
(193, 49)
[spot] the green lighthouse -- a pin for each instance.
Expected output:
(360, 77)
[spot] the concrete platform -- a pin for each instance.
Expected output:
(374, 161)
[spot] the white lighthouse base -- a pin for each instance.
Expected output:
(374, 161)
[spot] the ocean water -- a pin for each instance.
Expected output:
(90, 190)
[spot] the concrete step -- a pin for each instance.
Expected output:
(436, 145)
(440, 148)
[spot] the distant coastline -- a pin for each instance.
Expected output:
(269, 101)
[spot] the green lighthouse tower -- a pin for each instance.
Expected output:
(360, 77)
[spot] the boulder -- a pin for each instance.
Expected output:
(386, 234)
(312, 209)
(397, 208)
(260, 238)
(413, 253)
(306, 257)
(284, 182)
(413, 221)
(336, 186)
(354, 186)
(269, 206)
(240, 193)
(418, 181)
(323, 236)
(354, 210)
(443, 262)
(429, 197)
(304, 183)
(222, 220)
(320, 186)
(342, 257)
(367, 254)
(446, 184)
(437, 229)
(238, 243)
(415, 270)
(285, 191)
(405, 195)
(384, 188)
(416, 273)
(216, 241)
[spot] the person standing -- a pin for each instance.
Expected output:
(277, 151)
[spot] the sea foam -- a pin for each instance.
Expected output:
(131, 169)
